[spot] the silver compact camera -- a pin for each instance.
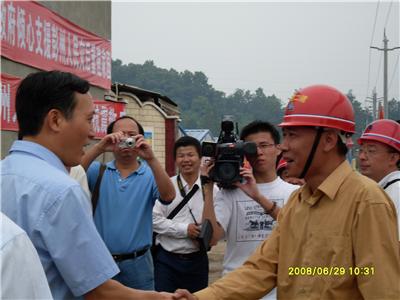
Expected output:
(127, 143)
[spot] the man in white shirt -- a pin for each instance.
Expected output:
(246, 215)
(379, 157)
(22, 275)
(178, 261)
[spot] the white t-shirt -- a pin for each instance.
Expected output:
(79, 174)
(393, 191)
(22, 275)
(245, 222)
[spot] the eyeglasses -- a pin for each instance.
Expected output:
(264, 146)
(369, 151)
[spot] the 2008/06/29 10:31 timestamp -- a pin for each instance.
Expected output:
(331, 271)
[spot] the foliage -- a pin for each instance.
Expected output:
(203, 107)
(200, 104)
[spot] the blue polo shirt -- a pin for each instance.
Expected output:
(124, 210)
(38, 194)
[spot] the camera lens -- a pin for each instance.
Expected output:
(227, 172)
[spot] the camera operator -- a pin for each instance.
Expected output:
(128, 191)
(245, 216)
(179, 262)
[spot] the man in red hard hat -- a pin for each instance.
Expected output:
(336, 237)
(379, 157)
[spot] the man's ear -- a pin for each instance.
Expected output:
(394, 158)
(54, 120)
(329, 140)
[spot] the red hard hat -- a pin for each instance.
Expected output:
(384, 131)
(320, 105)
(281, 164)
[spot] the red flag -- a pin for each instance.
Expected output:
(381, 114)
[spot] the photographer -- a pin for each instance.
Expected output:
(246, 215)
(127, 193)
(179, 261)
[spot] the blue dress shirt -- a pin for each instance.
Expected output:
(38, 195)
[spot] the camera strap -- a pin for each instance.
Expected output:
(180, 186)
(185, 199)
(176, 210)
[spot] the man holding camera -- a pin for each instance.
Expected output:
(179, 260)
(128, 190)
(246, 215)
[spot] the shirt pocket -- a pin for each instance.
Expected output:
(327, 249)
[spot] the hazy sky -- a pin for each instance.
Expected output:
(278, 46)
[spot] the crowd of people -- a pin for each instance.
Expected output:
(301, 224)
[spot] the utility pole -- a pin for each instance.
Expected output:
(374, 100)
(385, 61)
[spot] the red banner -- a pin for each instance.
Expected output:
(9, 85)
(33, 35)
(105, 111)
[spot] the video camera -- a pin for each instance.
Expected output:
(229, 153)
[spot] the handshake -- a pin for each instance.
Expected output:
(179, 294)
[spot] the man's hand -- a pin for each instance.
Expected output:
(143, 148)
(250, 186)
(108, 142)
(193, 231)
(181, 294)
(206, 166)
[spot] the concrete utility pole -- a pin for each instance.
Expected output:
(373, 98)
(385, 60)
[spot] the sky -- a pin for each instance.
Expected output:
(278, 46)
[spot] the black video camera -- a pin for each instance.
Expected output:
(229, 153)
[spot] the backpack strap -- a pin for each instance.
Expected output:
(96, 190)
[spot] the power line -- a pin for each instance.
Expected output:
(388, 13)
(372, 39)
(394, 71)
(379, 70)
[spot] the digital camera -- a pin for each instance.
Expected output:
(127, 143)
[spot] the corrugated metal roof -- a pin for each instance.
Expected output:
(141, 93)
(200, 134)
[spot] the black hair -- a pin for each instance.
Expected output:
(185, 141)
(260, 126)
(111, 125)
(43, 91)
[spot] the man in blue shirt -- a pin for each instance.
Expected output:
(128, 191)
(54, 111)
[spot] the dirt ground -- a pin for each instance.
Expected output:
(215, 257)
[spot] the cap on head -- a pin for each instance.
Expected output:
(384, 131)
(320, 106)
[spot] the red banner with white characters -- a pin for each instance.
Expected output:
(32, 34)
(9, 85)
(105, 111)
